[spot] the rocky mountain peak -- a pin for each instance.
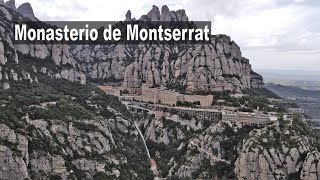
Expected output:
(165, 15)
(55, 55)
(128, 15)
(217, 66)
(164, 8)
(26, 10)
(154, 13)
(11, 4)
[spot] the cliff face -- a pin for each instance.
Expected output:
(11, 4)
(278, 153)
(24, 9)
(193, 149)
(218, 65)
(63, 130)
(20, 62)
(165, 15)
(69, 150)
(201, 149)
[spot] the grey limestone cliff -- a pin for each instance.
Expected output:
(11, 4)
(26, 10)
(53, 60)
(218, 65)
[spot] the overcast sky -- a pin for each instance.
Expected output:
(273, 34)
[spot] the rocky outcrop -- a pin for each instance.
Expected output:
(154, 14)
(3, 58)
(14, 58)
(196, 141)
(167, 15)
(57, 129)
(26, 10)
(11, 4)
(216, 66)
(256, 80)
(128, 16)
(46, 149)
(275, 153)
(311, 166)
(12, 167)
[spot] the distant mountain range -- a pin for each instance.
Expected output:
(293, 92)
(309, 80)
(307, 99)
(283, 74)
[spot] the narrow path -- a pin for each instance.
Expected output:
(209, 154)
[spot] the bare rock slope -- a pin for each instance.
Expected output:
(20, 62)
(218, 65)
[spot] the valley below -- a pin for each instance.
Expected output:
(308, 100)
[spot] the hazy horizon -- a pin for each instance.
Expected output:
(281, 74)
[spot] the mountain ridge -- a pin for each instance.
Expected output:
(216, 66)
(25, 9)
